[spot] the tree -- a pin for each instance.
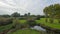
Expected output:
(52, 11)
(38, 17)
(5, 15)
(5, 21)
(57, 13)
(28, 14)
(25, 15)
(15, 14)
(31, 22)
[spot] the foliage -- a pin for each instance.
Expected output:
(31, 22)
(6, 27)
(28, 14)
(16, 23)
(25, 15)
(55, 25)
(15, 14)
(26, 31)
(53, 11)
(38, 17)
(42, 16)
(5, 21)
(6, 16)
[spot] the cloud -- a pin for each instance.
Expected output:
(3, 4)
(25, 6)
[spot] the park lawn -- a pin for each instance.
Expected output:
(52, 25)
(25, 31)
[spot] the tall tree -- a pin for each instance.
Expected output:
(28, 14)
(57, 13)
(52, 11)
(15, 14)
(25, 15)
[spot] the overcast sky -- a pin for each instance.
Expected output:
(24, 6)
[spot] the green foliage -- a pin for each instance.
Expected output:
(38, 17)
(25, 15)
(53, 11)
(28, 14)
(6, 27)
(15, 14)
(26, 31)
(55, 25)
(6, 16)
(16, 23)
(5, 21)
(31, 22)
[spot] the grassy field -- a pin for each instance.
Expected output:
(52, 25)
(26, 31)
(42, 21)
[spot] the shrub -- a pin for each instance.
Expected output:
(5, 21)
(31, 22)
(38, 17)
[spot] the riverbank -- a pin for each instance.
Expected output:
(53, 28)
(27, 31)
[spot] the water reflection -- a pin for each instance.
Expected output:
(39, 28)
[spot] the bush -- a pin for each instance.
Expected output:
(31, 22)
(22, 18)
(18, 25)
(5, 21)
(38, 17)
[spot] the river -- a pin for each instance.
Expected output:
(39, 28)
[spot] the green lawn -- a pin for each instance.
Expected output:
(52, 25)
(26, 31)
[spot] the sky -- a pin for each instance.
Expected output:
(35, 7)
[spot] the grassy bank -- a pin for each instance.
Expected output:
(55, 25)
(26, 31)
(6, 27)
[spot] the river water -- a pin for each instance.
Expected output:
(39, 28)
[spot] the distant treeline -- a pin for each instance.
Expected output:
(16, 14)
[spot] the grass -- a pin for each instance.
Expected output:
(6, 27)
(55, 25)
(52, 25)
(22, 21)
(26, 31)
